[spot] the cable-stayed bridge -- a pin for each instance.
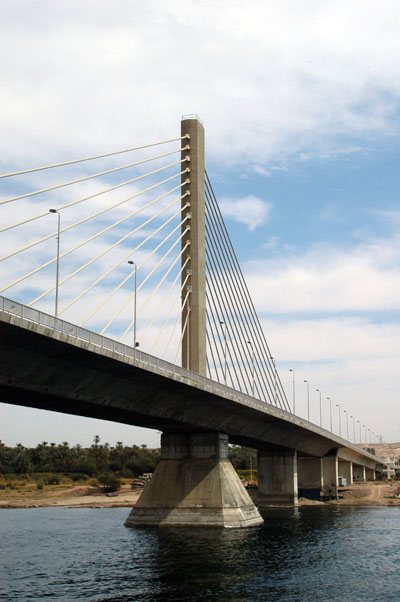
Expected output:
(123, 299)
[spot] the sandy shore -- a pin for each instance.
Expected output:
(377, 493)
(82, 496)
(360, 494)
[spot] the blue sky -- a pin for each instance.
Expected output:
(300, 100)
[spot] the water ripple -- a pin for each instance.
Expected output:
(324, 554)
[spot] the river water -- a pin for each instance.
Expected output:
(310, 554)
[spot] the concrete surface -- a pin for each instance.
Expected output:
(277, 478)
(51, 370)
(194, 485)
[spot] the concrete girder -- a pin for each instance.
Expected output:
(55, 371)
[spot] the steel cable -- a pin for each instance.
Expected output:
(128, 150)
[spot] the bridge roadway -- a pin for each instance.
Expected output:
(64, 368)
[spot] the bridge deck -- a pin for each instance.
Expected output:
(68, 370)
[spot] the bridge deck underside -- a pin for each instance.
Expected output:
(39, 371)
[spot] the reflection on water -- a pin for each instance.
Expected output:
(308, 554)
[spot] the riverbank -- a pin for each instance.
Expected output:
(81, 496)
(371, 493)
(376, 493)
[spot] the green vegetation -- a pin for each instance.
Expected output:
(241, 457)
(110, 481)
(53, 461)
(60, 465)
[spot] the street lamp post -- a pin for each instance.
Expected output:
(58, 258)
(224, 333)
(274, 367)
(308, 400)
(134, 307)
(354, 430)
(347, 424)
(320, 408)
(359, 423)
(294, 391)
(340, 422)
(330, 410)
(365, 434)
(252, 367)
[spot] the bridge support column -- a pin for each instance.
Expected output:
(194, 485)
(359, 473)
(346, 470)
(277, 478)
(330, 476)
(194, 312)
(370, 474)
(309, 473)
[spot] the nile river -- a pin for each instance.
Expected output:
(312, 554)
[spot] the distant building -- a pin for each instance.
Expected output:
(389, 470)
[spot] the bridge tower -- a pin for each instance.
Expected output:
(195, 483)
(194, 297)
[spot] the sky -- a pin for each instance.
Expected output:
(301, 105)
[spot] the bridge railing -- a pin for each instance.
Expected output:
(125, 351)
(149, 361)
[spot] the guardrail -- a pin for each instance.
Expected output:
(150, 361)
(125, 351)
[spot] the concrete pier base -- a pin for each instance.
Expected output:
(370, 474)
(277, 478)
(309, 473)
(330, 476)
(346, 470)
(359, 473)
(194, 485)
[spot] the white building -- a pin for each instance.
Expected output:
(388, 468)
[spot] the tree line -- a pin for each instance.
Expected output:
(126, 461)
(123, 460)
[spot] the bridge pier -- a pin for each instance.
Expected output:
(277, 478)
(359, 473)
(346, 470)
(322, 473)
(310, 473)
(370, 474)
(194, 485)
(330, 476)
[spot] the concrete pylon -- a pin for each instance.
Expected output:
(309, 472)
(359, 473)
(330, 475)
(194, 485)
(194, 339)
(277, 478)
(346, 470)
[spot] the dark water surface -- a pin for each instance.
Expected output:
(311, 554)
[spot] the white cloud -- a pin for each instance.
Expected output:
(351, 360)
(332, 339)
(262, 171)
(353, 355)
(277, 82)
(250, 210)
(326, 279)
(268, 82)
